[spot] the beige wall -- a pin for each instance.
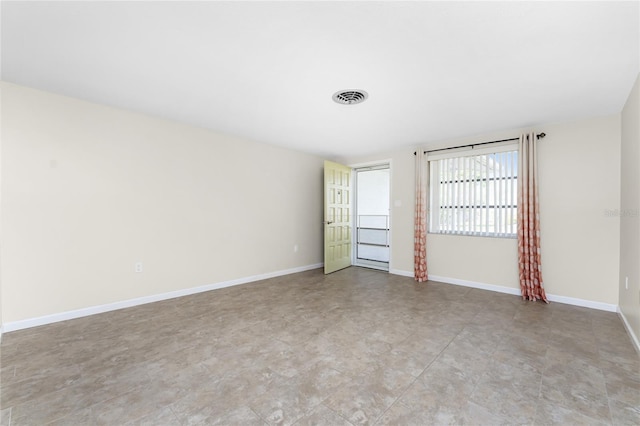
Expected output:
(1, 233)
(579, 181)
(88, 190)
(492, 261)
(630, 206)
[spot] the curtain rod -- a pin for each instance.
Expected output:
(538, 136)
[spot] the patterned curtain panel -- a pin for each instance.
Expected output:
(420, 225)
(529, 264)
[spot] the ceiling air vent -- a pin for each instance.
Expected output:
(350, 97)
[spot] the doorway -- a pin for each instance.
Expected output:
(372, 223)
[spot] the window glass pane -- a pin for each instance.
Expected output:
(476, 195)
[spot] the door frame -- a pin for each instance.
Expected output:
(354, 236)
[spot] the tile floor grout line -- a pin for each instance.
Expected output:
(171, 408)
(562, 404)
(606, 391)
(334, 411)
(535, 411)
(258, 415)
(417, 377)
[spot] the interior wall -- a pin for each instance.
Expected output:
(630, 211)
(484, 260)
(579, 185)
(1, 234)
(89, 190)
(579, 180)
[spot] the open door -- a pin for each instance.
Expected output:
(337, 217)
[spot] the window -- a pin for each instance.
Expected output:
(474, 192)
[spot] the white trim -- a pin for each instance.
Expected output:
(78, 313)
(371, 163)
(371, 264)
(391, 213)
(634, 338)
(584, 303)
(516, 291)
(474, 284)
(401, 272)
(560, 299)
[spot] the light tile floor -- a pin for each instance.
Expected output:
(354, 347)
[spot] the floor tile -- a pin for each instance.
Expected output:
(354, 347)
(163, 416)
(365, 398)
(133, 406)
(548, 413)
(583, 394)
(238, 416)
(624, 389)
(5, 417)
(508, 391)
(441, 385)
(321, 415)
(399, 414)
(625, 414)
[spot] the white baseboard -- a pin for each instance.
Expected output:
(401, 272)
(516, 291)
(474, 284)
(553, 298)
(584, 303)
(78, 313)
(633, 336)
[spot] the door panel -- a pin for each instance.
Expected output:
(337, 217)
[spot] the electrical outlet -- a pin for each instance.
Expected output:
(295, 248)
(138, 267)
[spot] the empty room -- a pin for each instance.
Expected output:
(319, 213)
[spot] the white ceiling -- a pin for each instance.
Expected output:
(267, 70)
